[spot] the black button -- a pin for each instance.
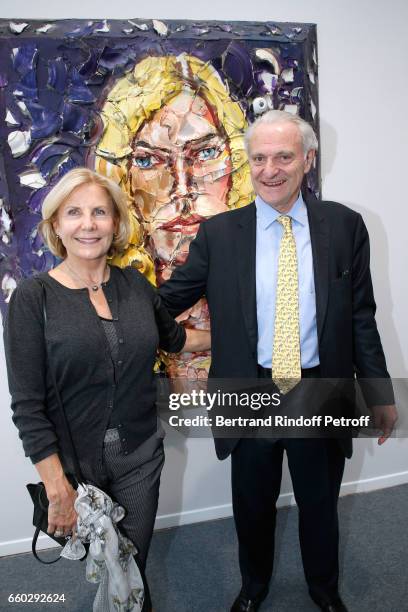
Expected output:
(115, 318)
(109, 299)
(125, 453)
(110, 404)
(120, 363)
(120, 425)
(121, 340)
(123, 439)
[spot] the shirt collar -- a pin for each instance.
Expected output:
(267, 215)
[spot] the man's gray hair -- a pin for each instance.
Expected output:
(309, 139)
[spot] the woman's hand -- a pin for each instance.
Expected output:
(62, 517)
(197, 340)
(61, 495)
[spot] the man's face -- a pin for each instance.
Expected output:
(180, 175)
(278, 164)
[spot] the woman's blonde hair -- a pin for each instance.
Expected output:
(63, 189)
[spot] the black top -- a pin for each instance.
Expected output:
(111, 336)
(113, 343)
(90, 384)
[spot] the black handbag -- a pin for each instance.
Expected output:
(40, 518)
(37, 491)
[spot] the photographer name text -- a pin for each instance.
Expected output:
(269, 421)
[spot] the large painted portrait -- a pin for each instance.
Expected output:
(159, 107)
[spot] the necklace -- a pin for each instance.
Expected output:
(93, 286)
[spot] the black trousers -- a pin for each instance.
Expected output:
(132, 481)
(316, 467)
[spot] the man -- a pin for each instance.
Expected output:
(283, 261)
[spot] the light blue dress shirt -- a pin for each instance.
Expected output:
(268, 236)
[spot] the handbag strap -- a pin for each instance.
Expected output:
(35, 553)
(34, 549)
(77, 469)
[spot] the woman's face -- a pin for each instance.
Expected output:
(86, 222)
(180, 175)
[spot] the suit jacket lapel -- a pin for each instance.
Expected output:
(319, 236)
(245, 254)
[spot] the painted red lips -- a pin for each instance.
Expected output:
(178, 223)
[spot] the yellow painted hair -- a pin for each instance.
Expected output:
(133, 100)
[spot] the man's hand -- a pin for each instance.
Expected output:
(197, 340)
(385, 418)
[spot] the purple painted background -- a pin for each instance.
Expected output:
(53, 80)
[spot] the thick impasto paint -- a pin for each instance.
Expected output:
(161, 108)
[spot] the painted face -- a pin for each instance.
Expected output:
(180, 175)
(278, 164)
(86, 222)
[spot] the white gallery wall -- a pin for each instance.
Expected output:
(363, 49)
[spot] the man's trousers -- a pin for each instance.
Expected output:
(316, 468)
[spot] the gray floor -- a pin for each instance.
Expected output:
(194, 568)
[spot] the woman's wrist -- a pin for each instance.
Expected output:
(53, 476)
(58, 489)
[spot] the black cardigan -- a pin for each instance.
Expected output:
(89, 383)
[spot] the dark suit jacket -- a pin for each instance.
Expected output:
(221, 265)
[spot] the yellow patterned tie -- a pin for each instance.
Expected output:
(286, 369)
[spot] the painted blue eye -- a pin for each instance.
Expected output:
(209, 153)
(143, 162)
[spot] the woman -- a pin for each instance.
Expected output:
(175, 136)
(103, 328)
